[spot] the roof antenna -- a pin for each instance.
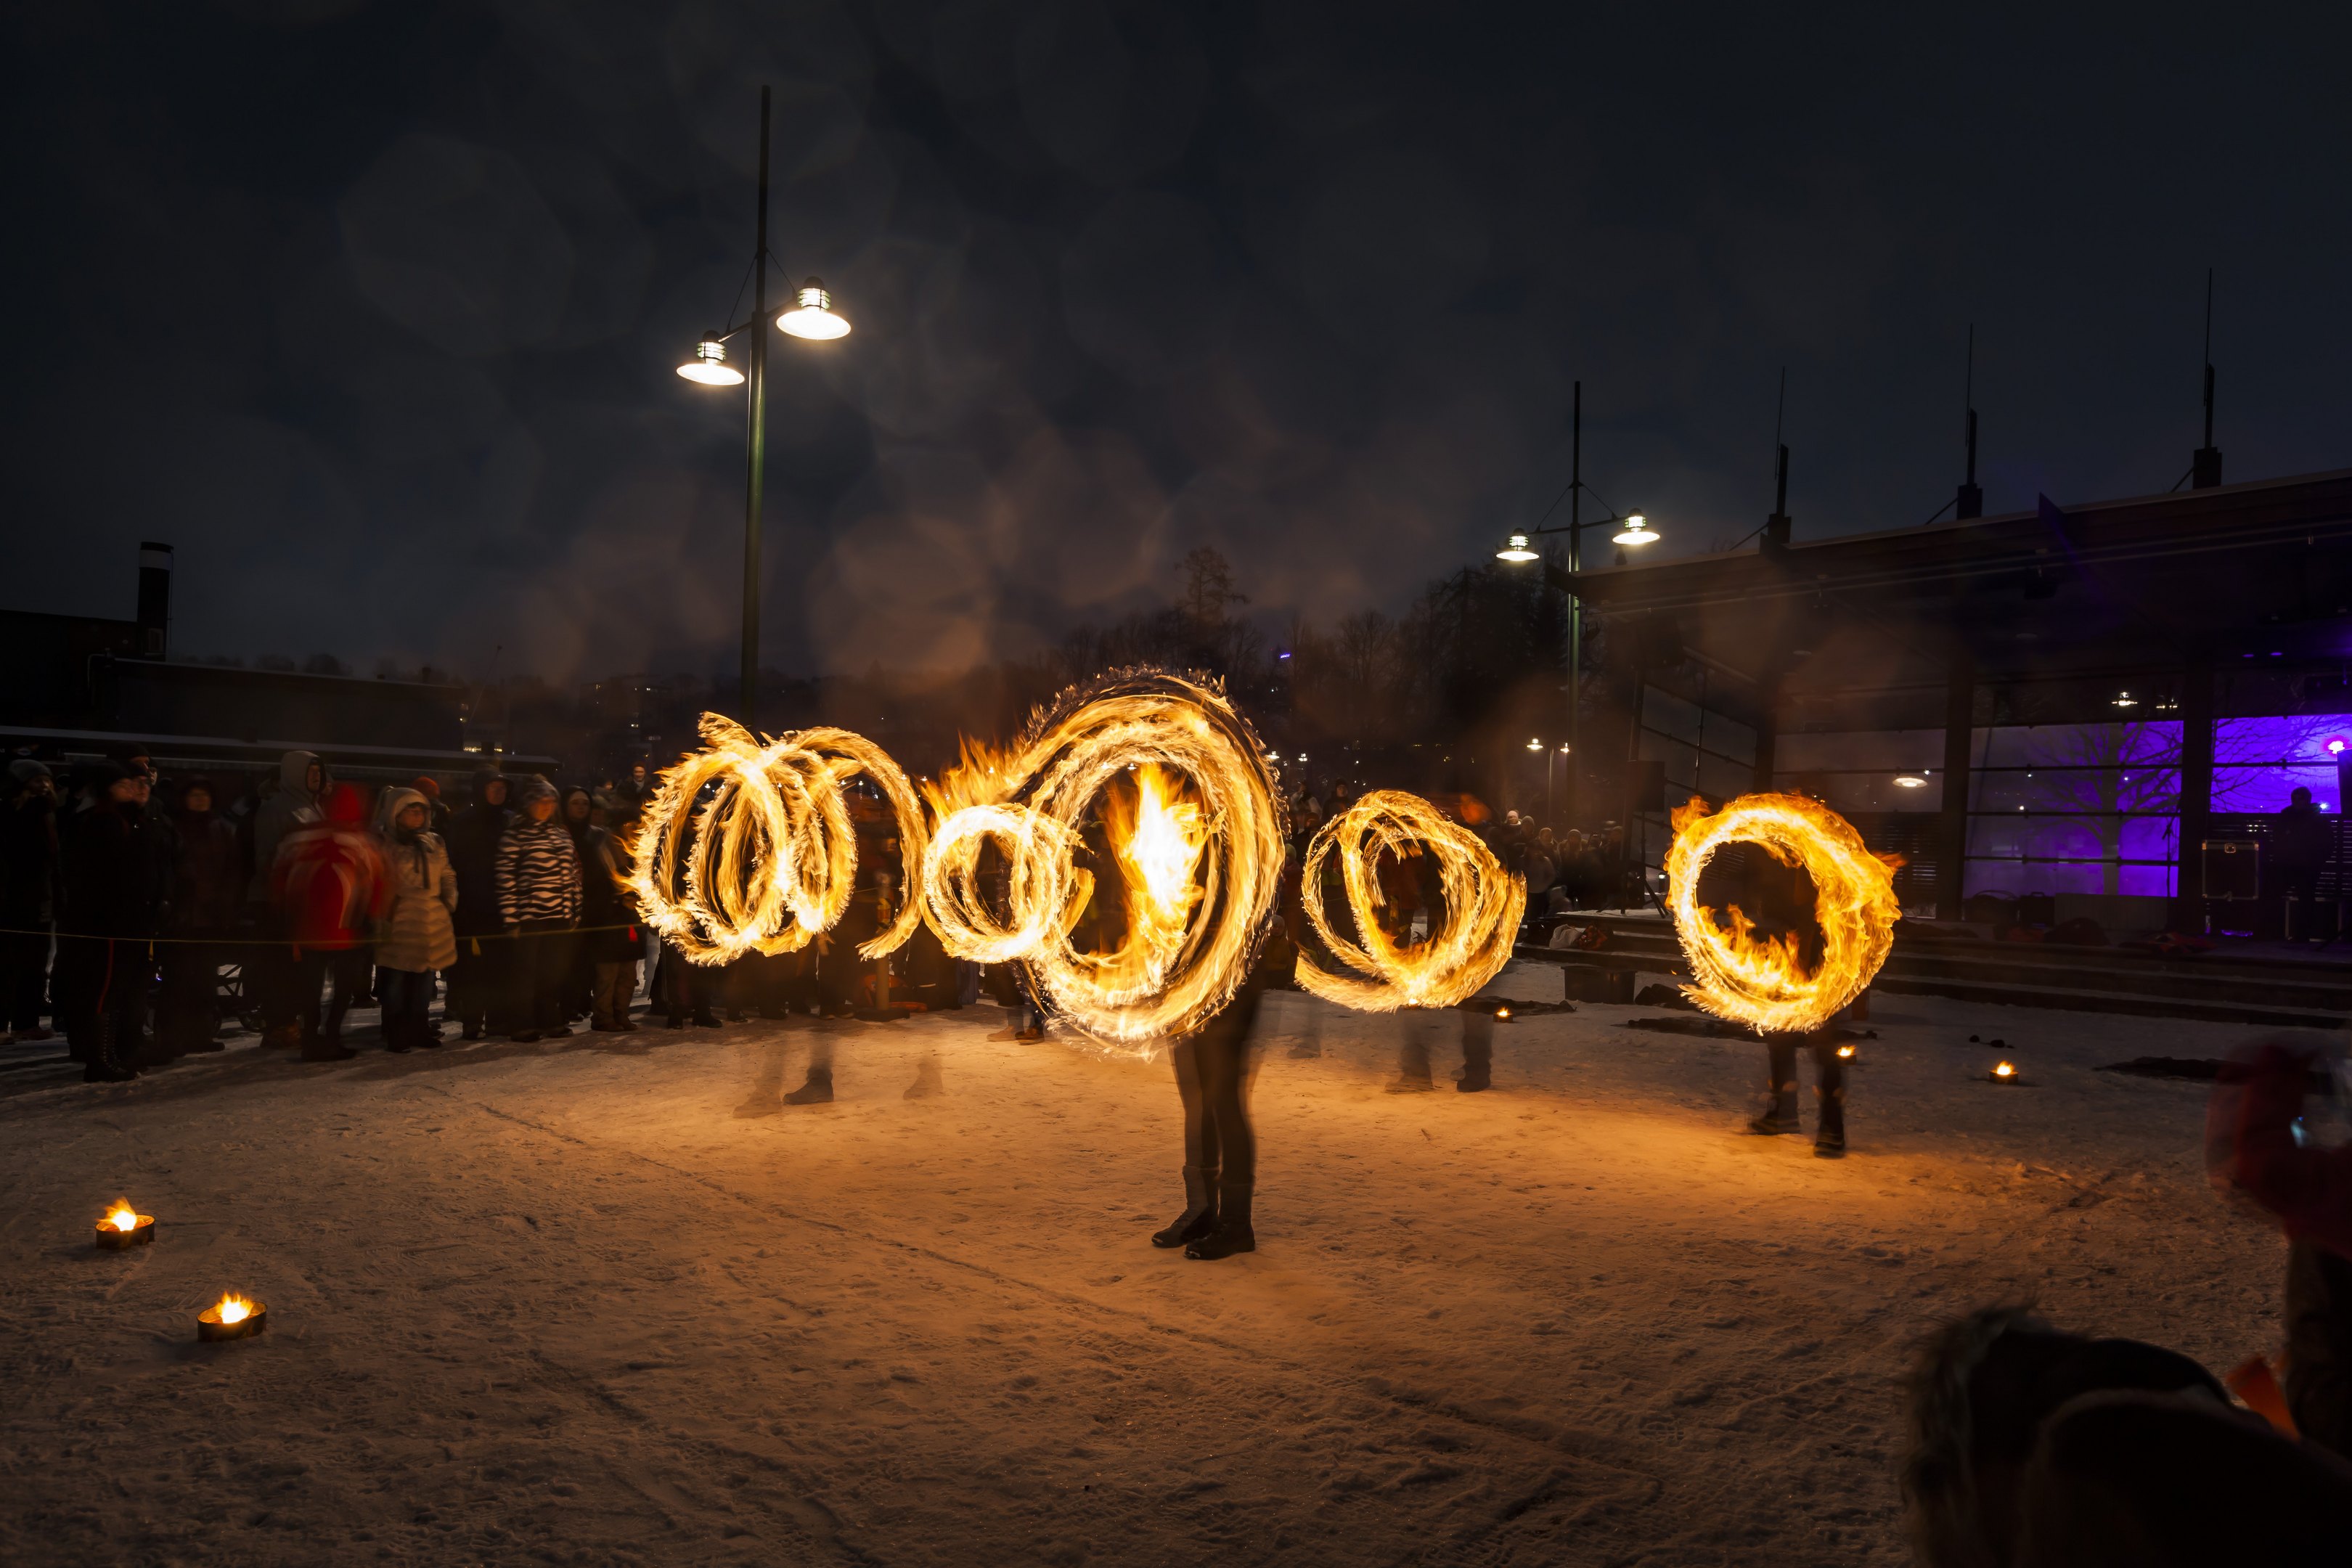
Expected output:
(2205, 463)
(1970, 501)
(1776, 527)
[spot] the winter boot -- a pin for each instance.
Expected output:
(928, 1081)
(1779, 1112)
(817, 1090)
(1413, 1062)
(399, 1035)
(1199, 1215)
(99, 1061)
(1233, 1233)
(705, 1019)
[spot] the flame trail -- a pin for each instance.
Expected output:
(1199, 847)
(770, 856)
(1482, 907)
(1758, 982)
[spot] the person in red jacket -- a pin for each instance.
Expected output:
(329, 882)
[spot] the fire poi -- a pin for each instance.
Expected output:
(1482, 907)
(1760, 981)
(1196, 834)
(770, 856)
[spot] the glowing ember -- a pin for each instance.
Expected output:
(1759, 982)
(1483, 906)
(1193, 822)
(122, 1217)
(234, 1309)
(2004, 1070)
(1502, 1012)
(769, 854)
(1845, 1050)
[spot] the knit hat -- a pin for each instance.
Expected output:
(532, 787)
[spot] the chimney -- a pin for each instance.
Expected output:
(1970, 501)
(155, 598)
(1776, 527)
(2205, 463)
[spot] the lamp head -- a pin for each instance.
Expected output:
(710, 364)
(813, 315)
(1637, 531)
(1516, 551)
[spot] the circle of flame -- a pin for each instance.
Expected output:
(1182, 961)
(773, 857)
(1484, 904)
(1759, 982)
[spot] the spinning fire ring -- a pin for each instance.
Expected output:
(1482, 907)
(1759, 981)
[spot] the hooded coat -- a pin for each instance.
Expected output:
(330, 877)
(418, 934)
(473, 841)
(115, 882)
(288, 807)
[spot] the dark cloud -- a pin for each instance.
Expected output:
(371, 310)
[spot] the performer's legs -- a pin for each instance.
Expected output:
(1200, 1152)
(1477, 1050)
(1779, 1113)
(1222, 1053)
(1828, 1092)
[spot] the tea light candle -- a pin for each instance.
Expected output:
(124, 1226)
(2005, 1072)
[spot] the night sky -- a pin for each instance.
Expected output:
(373, 311)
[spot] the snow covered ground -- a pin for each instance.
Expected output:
(599, 1300)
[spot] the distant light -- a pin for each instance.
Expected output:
(1909, 781)
(2277, 654)
(814, 316)
(1302, 757)
(2336, 745)
(1284, 654)
(1516, 551)
(1637, 531)
(2125, 699)
(1534, 745)
(710, 364)
(1563, 746)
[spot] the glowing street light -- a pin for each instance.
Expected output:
(813, 317)
(710, 364)
(1637, 531)
(1909, 781)
(1515, 551)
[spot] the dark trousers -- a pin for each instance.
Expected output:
(1829, 1081)
(541, 968)
(25, 976)
(1213, 1073)
(2319, 1345)
(188, 1013)
(480, 980)
(616, 984)
(683, 989)
(407, 997)
(347, 969)
(269, 965)
(102, 995)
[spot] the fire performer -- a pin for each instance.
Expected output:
(1215, 1069)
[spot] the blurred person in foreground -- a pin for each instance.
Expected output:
(333, 888)
(290, 804)
(479, 982)
(418, 935)
(539, 894)
(208, 894)
(29, 895)
(115, 886)
(578, 816)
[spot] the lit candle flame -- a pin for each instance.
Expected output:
(2004, 1070)
(1845, 1050)
(1502, 1012)
(235, 1309)
(122, 1217)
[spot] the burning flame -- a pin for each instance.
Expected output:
(1845, 1050)
(1195, 826)
(1760, 982)
(2004, 1070)
(1483, 906)
(769, 855)
(233, 1309)
(1502, 1012)
(122, 1217)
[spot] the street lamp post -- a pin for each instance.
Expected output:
(1635, 531)
(812, 318)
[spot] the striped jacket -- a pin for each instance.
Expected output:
(538, 873)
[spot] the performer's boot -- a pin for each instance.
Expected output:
(1413, 1062)
(1828, 1122)
(1477, 1053)
(1199, 1215)
(817, 1090)
(1779, 1113)
(1233, 1233)
(928, 1081)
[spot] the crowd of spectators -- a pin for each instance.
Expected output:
(139, 914)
